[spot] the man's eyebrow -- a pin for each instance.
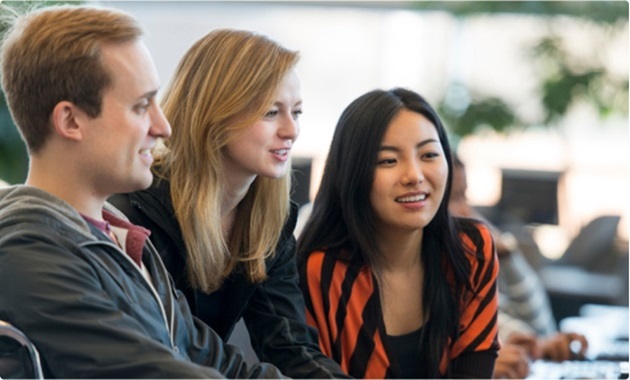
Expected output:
(148, 95)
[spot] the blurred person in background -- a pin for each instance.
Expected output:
(527, 328)
(397, 287)
(219, 209)
(75, 276)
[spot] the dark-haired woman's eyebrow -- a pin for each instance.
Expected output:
(396, 149)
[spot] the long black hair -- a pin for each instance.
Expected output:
(343, 219)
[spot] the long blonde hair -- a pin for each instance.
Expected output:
(224, 83)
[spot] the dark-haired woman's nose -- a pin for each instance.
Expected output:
(413, 174)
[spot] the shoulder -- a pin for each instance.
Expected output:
(286, 243)
(157, 194)
(329, 264)
(287, 237)
(153, 203)
(476, 237)
(479, 249)
(122, 203)
(480, 252)
(36, 259)
(315, 259)
(314, 265)
(284, 256)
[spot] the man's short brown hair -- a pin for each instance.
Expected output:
(53, 54)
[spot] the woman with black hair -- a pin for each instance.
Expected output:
(396, 286)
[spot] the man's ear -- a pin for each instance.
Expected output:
(68, 120)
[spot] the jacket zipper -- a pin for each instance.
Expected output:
(161, 263)
(153, 291)
(169, 292)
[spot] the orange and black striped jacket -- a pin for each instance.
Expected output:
(343, 303)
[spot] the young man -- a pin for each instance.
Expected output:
(81, 282)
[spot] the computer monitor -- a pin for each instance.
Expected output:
(530, 196)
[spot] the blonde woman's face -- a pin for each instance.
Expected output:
(264, 149)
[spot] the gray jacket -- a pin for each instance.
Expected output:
(88, 308)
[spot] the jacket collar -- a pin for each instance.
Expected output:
(27, 204)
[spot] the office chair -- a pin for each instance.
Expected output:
(588, 271)
(18, 356)
(593, 244)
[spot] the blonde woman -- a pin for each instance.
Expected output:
(219, 211)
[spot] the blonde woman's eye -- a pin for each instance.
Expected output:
(296, 114)
(271, 113)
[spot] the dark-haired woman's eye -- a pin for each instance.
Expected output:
(431, 155)
(386, 162)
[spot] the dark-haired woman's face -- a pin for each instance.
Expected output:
(410, 175)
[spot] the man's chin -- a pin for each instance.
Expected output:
(146, 182)
(139, 184)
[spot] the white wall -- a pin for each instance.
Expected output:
(345, 52)
(348, 51)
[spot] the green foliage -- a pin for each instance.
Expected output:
(566, 79)
(563, 79)
(13, 156)
(606, 12)
(481, 112)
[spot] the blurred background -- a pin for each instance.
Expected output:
(533, 93)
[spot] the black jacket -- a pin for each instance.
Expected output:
(89, 309)
(273, 310)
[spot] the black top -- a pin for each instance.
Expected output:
(406, 351)
(273, 311)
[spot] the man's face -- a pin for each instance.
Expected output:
(118, 142)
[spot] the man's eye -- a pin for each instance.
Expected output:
(142, 107)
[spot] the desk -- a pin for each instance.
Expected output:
(606, 329)
(582, 370)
